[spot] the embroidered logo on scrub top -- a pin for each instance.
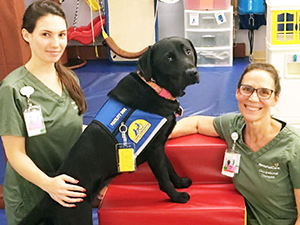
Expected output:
(269, 172)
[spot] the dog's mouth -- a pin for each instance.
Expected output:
(181, 93)
(191, 77)
(178, 83)
(195, 80)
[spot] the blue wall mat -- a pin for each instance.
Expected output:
(2, 217)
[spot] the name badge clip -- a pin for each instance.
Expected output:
(33, 116)
(231, 162)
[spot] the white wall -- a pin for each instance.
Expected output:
(170, 19)
(259, 39)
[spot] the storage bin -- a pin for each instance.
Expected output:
(206, 4)
(209, 39)
(211, 33)
(214, 57)
(251, 6)
(206, 20)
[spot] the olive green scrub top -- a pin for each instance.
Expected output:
(267, 178)
(63, 126)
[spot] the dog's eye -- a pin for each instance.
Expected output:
(170, 59)
(188, 51)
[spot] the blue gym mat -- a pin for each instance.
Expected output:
(214, 95)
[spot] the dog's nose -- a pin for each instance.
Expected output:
(193, 75)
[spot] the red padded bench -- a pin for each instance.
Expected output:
(135, 198)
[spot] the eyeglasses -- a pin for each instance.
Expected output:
(262, 93)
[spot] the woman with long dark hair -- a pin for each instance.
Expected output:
(40, 116)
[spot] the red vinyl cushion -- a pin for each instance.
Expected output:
(195, 156)
(135, 198)
(210, 204)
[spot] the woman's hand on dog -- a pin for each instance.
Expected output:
(64, 190)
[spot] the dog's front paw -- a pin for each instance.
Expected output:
(184, 182)
(182, 197)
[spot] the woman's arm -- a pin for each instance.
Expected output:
(62, 188)
(297, 197)
(193, 125)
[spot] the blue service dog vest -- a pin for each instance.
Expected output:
(141, 126)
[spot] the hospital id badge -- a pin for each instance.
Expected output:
(231, 163)
(126, 157)
(34, 121)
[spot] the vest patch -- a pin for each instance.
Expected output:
(137, 129)
(141, 126)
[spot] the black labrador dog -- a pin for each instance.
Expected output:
(170, 66)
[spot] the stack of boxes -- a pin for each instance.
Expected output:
(209, 25)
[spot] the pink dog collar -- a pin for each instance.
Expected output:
(159, 90)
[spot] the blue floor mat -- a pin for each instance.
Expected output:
(2, 217)
(214, 95)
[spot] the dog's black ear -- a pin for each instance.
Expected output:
(144, 64)
(195, 53)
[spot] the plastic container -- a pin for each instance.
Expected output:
(209, 39)
(214, 57)
(206, 20)
(206, 4)
(251, 6)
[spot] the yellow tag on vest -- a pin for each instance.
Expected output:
(126, 160)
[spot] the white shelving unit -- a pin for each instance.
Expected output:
(211, 33)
